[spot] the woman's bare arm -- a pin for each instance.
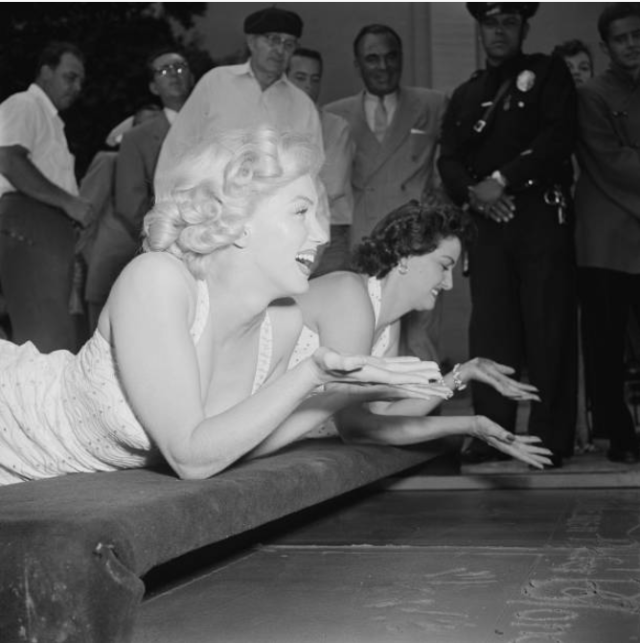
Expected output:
(150, 314)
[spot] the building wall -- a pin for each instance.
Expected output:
(441, 50)
(439, 38)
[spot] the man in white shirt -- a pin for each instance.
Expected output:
(244, 96)
(39, 204)
(305, 72)
(118, 235)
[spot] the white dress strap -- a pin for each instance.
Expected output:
(374, 287)
(202, 311)
(380, 346)
(265, 345)
(265, 352)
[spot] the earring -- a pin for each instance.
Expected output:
(403, 269)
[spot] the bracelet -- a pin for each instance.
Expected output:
(457, 380)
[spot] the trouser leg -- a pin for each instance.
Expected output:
(36, 267)
(605, 297)
(495, 324)
(546, 267)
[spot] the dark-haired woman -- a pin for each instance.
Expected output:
(403, 266)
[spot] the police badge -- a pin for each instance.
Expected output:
(525, 80)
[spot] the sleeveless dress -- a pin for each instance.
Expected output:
(62, 413)
(309, 342)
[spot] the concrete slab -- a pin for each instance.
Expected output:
(409, 595)
(441, 567)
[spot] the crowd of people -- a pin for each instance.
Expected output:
(261, 268)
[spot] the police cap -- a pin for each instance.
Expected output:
(275, 20)
(482, 10)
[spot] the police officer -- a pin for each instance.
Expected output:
(506, 144)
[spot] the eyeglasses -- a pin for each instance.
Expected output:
(274, 40)
(176, 68)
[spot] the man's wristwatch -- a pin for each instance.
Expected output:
(498, 177)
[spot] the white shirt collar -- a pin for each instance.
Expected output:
(245, 68)
(43, 97)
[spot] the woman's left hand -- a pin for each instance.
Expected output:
(522, 447)
(496, 375)
(396, 374)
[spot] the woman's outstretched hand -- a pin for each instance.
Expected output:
(397, 376)
(497, 375)
(521, 447)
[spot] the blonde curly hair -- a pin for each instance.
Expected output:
(203, 203)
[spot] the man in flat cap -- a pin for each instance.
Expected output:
(254, 93)
(506, 144)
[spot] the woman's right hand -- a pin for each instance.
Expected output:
(396, 377)
(498, 375)
(521, 447)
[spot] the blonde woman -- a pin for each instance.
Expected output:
(188, 363)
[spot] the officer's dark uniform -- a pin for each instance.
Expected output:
(521, 272)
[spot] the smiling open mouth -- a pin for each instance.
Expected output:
(306, 260)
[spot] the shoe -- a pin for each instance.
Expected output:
(626, 456)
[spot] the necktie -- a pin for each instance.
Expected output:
(380, 119)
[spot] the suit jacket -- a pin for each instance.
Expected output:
(97, 186)
(402, 167)
(607, 194)
(336, 171)
(135, 168)
(118, 236)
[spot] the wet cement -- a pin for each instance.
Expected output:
(512, 566)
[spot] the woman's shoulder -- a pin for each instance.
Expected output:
(157, 269)
(149, 281)
(339, 297)
(341, 284)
